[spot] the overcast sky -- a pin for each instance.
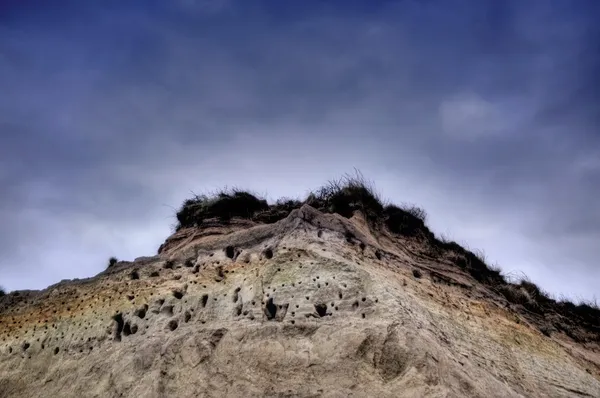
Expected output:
(485, 113)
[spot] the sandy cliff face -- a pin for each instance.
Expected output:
(314, 305)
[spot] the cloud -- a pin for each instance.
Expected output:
(112, 113)
(469, 116)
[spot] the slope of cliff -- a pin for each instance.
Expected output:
(296, 301)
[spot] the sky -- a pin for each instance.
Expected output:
(485, 113)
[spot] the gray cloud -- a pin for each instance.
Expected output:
(485, 114)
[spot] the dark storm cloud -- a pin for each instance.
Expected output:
(484, 112)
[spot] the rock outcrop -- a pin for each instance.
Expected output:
(313, 305)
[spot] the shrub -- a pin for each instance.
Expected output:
(514, 294)
(416, 212)
(112, 261)
(586, 311)
(278, 211)
(536, 293)
(223, 205)
(346, 195)
(408, 222)
(2, 292)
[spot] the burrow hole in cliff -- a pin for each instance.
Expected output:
(270, 309)
(178, 294)
(134, 275)
(236, 294)
(349, 237)
(56, 349)
(204, 300)
(378, 254)
(187, 316)
(269, 253)
(141, 312)
(126, 329)
(230, 252)
(118, 318)
(172, 325)
(321, 309)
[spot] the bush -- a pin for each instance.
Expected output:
(223, 205)
(514, 294)
(408, 222)
(586, 311)
(346, 195)
(112, 262)
(278, 211)
(2, 292)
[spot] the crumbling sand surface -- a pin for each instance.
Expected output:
(314, 305)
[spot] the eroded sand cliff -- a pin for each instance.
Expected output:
(315, 305)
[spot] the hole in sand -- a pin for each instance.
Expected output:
(126, 329)
(118, 318)
(204, 300)
(270, 309)
(141, 312)
(321, 309)
(172, 325)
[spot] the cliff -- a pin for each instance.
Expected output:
(309, 304)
